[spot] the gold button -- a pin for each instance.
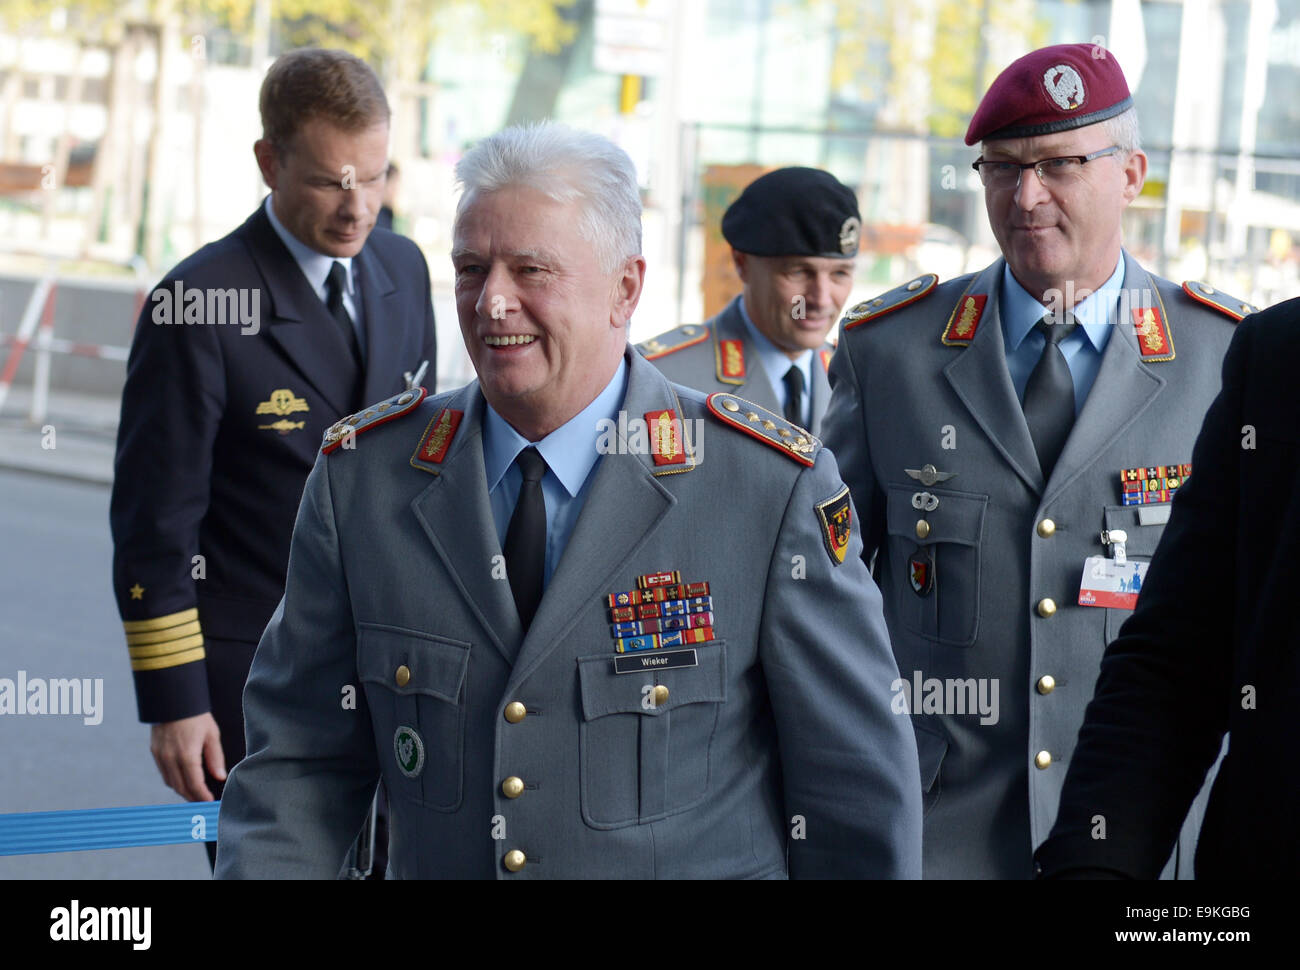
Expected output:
(661, 695)
(688, 331)
(515, 712)
(914, 285)
(730, 405)
(922, 528)
(1046, 684)
(1207, 290)
(878, 301)
(403, 675)
(1041, 760)
(405, 398)
(1046, 606)
(1247, 308)
(512, 787)
(515, 860)
(1047, 528)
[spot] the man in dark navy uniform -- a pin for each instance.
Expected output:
(243, 355)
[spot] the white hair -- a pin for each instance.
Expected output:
(1122, 130)
(565, 165)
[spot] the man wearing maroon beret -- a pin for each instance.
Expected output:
(1013, 439)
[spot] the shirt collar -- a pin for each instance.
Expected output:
(1020, 311)
(775, 361)
(315, 266)
(569, 450)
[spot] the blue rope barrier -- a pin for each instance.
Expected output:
(30, 833)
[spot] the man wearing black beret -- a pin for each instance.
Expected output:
(794, 235)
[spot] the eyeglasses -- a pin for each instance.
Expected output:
(1052, 172)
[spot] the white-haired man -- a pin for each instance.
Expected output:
(551, 618)
(1012, 438)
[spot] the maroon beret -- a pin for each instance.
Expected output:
(1049, 90)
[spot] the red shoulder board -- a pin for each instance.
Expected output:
(344, 431)
(768, 427)
(895, 299)
(965, 320)
(1155, 342)
(1229, 306)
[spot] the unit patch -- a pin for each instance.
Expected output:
(835, 517)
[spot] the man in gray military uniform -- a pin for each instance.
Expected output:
(1012, 439)
(548, 612)
(794, 234)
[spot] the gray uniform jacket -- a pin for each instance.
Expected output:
(984, 595)
(720, 356)
(780, 741)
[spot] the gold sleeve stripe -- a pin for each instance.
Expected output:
(163, 636)
(161, 622)
(164, 649)
(173, 660)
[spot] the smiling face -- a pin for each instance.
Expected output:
(308, 179)
(1070, 232)
(794, 300)
(544, 324)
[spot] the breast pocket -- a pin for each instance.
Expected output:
(1139, 547)
(944, 605)
(414, 684)
(645, 738)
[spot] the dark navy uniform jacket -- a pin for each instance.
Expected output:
(221, 421)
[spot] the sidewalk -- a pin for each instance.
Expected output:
(84, 435)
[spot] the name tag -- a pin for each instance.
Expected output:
(656, 660)
(1108, 583)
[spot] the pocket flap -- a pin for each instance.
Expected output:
(435, 665)
(605, 692)
(958, 518)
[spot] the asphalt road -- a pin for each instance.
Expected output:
(58, 620)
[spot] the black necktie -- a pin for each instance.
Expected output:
(794, 396)
(334, 287)
(1049, 395)
(525, 549)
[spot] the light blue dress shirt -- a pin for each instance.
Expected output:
(571, 456)
(1082, 349)
(316, 267)
(776, 363)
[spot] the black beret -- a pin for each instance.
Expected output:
(794, 212)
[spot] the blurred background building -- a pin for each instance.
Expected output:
(126, 131)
